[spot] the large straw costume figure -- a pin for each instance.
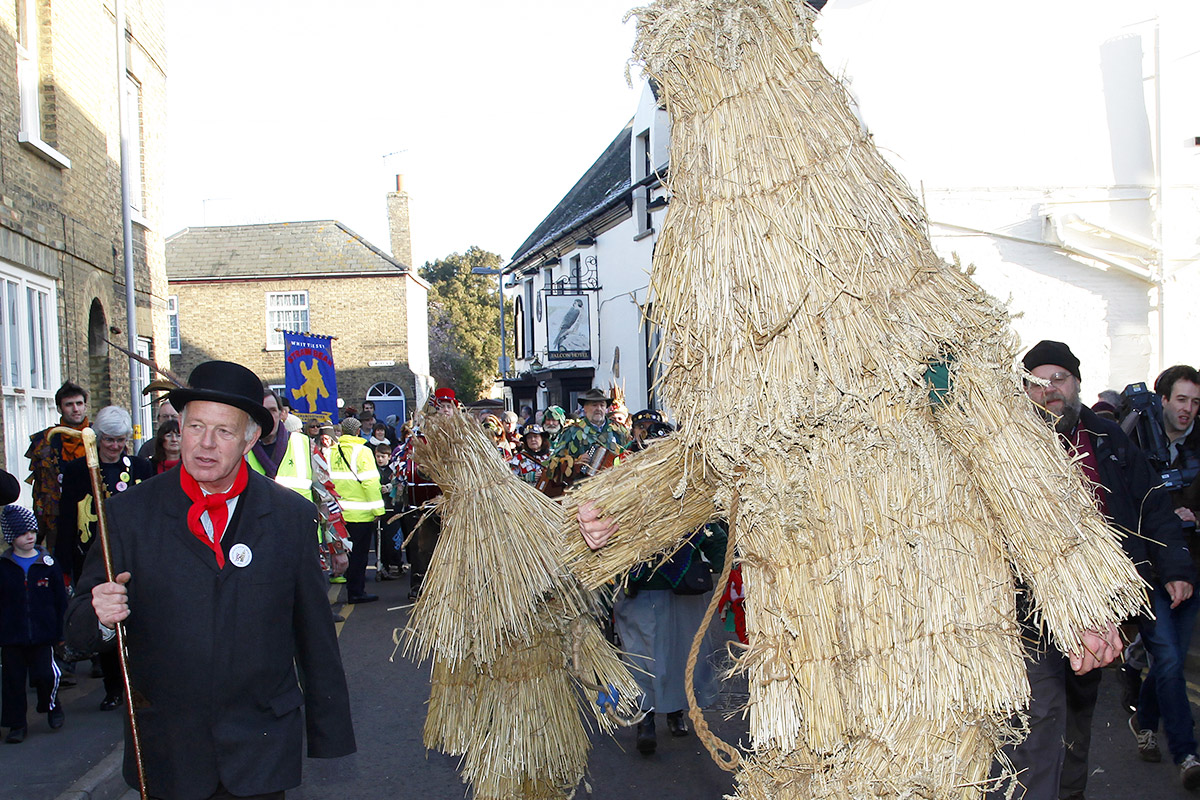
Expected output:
(850, 402)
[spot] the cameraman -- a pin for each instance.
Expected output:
(1178, 390)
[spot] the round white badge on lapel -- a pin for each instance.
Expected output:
(240, 555)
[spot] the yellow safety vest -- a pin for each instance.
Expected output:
(356, 479)
(295, 470)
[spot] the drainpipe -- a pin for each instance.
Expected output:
(135, 399)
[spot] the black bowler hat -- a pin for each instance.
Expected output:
(228, 383)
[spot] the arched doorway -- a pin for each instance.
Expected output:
(388, 399)
(99, 370)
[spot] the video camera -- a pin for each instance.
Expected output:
(1143, 421)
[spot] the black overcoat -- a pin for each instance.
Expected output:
(213, 654)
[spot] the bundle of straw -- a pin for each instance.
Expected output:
(497, 558)
(518, 656)
(879, 525)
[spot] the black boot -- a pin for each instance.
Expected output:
(677, 723)
(646, 741)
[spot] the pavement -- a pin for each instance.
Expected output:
(388, 695)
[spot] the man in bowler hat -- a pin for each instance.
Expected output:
(223, 602)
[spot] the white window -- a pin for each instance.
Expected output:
(286, 311)
(133, 111)
(143, 423)
(173, 324)
(29, 371)
(28, 85)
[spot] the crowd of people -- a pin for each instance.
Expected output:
(1140, 453)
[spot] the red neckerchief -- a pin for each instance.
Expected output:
(214, 504)
(1080, 443)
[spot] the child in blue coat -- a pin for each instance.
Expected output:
(33, 600)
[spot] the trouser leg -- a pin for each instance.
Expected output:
(13, 674)
(426, 537)
(110, 663)
(356, 573)
(1164, 692)
(1082, 691)
(1038, 760)
(44, 675)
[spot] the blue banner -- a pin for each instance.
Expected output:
(309, 376)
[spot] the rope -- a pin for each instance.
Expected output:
(726, 755)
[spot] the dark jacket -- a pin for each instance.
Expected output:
(31, 605)
(1138, 505)
(71, 545)
(709, 543)
(215, 652)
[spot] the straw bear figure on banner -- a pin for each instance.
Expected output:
(851, 402)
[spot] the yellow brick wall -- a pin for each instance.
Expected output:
(227, 320)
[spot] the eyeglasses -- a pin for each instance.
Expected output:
(1057, 380)
(114, 439)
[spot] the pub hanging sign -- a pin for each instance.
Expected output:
(568, 327)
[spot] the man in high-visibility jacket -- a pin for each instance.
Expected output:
(356, 480)
(282, 455)
(286, 457)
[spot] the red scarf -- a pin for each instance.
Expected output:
(214, 504)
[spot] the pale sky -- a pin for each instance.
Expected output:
(286, 110)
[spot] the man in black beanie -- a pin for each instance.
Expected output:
(1130, 495)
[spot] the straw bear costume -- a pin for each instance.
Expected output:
(850, 402)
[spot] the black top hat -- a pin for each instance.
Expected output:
(594, 395)
(228, 383)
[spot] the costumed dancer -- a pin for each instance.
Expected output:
(420, 522)
(530, 459)
(510, 656)
(78, 518)
(582, 450)
(333, 539)
(862, 426)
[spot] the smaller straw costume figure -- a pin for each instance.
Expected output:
(851, 405)
(510, 632)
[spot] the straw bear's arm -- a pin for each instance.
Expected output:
(1040, 511)
(656, 502)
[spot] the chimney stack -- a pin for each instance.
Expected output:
(398, 226)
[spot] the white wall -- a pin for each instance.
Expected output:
(1003, 114)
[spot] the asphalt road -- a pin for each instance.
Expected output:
(388, 703)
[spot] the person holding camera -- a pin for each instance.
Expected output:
(1178, 394)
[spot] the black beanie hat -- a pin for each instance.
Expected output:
(1050, 352)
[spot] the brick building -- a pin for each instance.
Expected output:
(62, 277)
(232, 286)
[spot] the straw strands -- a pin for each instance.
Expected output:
(880, 525)
(498, 553)
(517, 655)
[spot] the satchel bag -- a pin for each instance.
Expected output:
(697, 578)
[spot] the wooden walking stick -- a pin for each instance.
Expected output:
(93, 463)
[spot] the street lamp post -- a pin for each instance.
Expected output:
(500, 278)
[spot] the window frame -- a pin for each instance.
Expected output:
(275, 338)
(174, 342)
(29, 73)
(27, 408)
